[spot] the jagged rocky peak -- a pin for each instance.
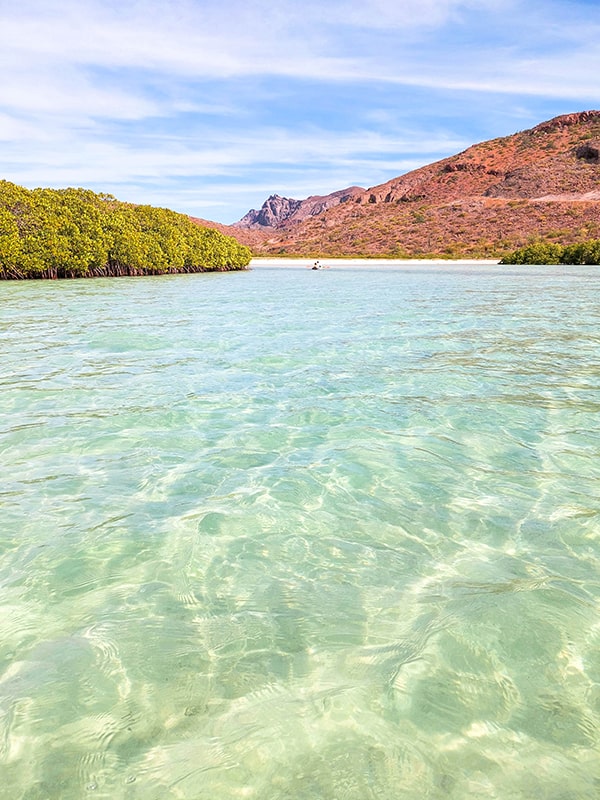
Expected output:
(274, 211)
(566, 120)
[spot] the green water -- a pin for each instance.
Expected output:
(289, 535)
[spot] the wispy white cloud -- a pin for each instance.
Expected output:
(407, 15)
(203, 40)
(540, 77)
(75, 95)
(231, 39)
(152, 157)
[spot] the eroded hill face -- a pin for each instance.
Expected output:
(492, 197)
(279, 212)
(557, 157)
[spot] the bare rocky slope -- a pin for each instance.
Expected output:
(279, 211)
(542, 183)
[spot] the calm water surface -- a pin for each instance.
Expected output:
(296, 535)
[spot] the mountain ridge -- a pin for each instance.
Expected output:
(543, 182)
(277, 210)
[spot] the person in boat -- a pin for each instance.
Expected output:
(317, 265)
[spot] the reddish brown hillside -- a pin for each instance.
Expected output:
(557, 157)
(492, 197)
(251, 238)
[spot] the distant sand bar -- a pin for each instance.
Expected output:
(365, 263)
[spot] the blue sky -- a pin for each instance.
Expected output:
(208, 106)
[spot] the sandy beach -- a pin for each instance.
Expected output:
(366, 263)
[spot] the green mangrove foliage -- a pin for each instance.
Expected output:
(76, 233)
(547, 253)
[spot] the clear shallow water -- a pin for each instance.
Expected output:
(290, 535)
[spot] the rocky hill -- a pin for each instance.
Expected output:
(542, 183)
(278, 211)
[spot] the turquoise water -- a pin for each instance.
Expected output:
(295, 535)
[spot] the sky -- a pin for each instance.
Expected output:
(210, 106)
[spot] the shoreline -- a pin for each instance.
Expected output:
(358, 263)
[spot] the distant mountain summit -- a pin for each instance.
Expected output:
(272, 213)
(543, 182)
(277, 211)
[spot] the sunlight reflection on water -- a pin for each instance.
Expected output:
(293, 535)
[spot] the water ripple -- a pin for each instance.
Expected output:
(272, 538)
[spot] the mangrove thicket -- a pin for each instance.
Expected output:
(550, 253)
(77, 233)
